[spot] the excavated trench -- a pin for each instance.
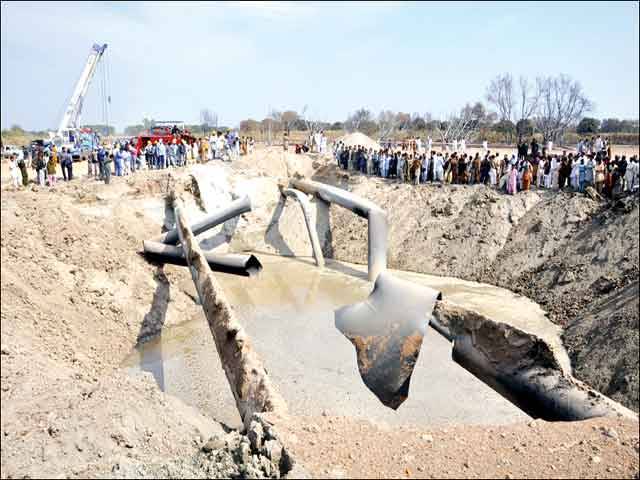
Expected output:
(288, 311)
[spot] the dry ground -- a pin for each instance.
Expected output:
(77, 296)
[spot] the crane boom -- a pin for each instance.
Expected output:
(71, 116)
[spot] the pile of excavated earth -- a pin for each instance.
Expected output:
(78, 296)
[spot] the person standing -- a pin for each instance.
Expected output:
(439, 168)
(599, 175)
(52, 169)
(22, 165)
(512, 182)
(588, 172)
(540, 171)
(149, 153)
(117, 160)
(41, 165)
(161, 155)
(67, 165)
(107, 160)
(14, 169)
(526, 176)
(476, 168)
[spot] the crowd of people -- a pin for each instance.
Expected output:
(411, 161)
(591, 165)
(316, 143)
(124, 157)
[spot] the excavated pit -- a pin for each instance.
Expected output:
(288, 312)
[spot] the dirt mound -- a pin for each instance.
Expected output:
(358, 139)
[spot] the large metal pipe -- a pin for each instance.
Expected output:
(387, 331)
(377, 219)
(235, 208)
(244, 265)
(522, 367)
(306, 211)
(253, 391)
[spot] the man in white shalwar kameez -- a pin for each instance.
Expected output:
(540, 177)
(555, 166)
(439, 168)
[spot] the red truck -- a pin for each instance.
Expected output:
(166, 133)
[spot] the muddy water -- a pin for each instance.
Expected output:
(288, 311)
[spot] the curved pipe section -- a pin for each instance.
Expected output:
(306, 211)
(244, 265)
(377, 219)
(235, 208)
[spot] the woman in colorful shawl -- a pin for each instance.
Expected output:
(512, 182)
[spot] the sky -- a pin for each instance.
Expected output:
(240, 59)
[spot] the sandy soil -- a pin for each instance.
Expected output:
(332, 447)
(77, 297)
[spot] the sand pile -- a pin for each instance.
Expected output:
(359, 139)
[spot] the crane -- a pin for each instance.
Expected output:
(71, 117)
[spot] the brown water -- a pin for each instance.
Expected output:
(288, 311)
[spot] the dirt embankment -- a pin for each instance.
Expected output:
(577, 257)
(76, 298)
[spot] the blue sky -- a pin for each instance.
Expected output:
(170, 60)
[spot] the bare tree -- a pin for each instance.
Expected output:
(356, 119)
(387, 124)
(208, 119)
(458, 127)
(528, 98)
(500, 95)
(312, 125)
(562, 103)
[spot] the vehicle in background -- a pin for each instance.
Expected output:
(167, 131)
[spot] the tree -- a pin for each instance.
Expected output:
(458, 127)
(611, 125)
(527, 99)
(311, 125)
(588, 125)
(354, 121)
(249, 125)
(288, 119)
(524, 128)
(418, 123)
(387, 124)
(403, 120)
(512, 103)
(500, 95)
(561, 103)
(208, 119)
(506, 128)
(337, 126)
(148, 123)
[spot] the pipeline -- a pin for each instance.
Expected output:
(377, 219)
(235, 208)
(522, 368)
(306, 211)
(387, 331)
(251, 386)
(243, 265)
